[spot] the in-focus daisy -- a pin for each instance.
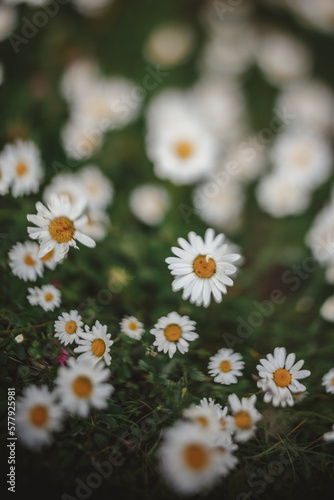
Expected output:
(174, 332)
(94, 344)
(49, 297)
(82, 384)
(280, 377)
(189, 459)
(329, 436)
(226, 366)
(242, 422)
(24, 162)
(149, 203)
(96, 187)
(132, 327)
(328, 381)
(37, 416)
(68, 327)
(202, 267)
(327, 309)
(58, 226)
(24, 261)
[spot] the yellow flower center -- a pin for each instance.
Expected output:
(203, 421)
(29, 261)
(282, 377)
(82, 386)
(61, 229)
(196, 456)
(204, 267)
(332, 381)
(21, 169)
(39, 415)
(225, 366)
(48, 297)
(242, 419)
(133, 325)
(71, 327)
(184, 149)
(98, 347)
(173, 333)
(48, 256)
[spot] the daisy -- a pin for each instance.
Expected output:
(149, 203)
(320, 237)
(244, 417)
(174, 332)
(132, 327)
(49, 260)
(94, 344)
(205, 417)
(226, 447)
(221, 413)
(189, 460)
(202, 267)
(80, 139)
(96, 187)
(329, 436)
(328, 381)
(82, 384)
(280, 196)
(327, 309)
(58, 226)
(226, 366)
(49, 297)
(23, 160)
(61, 185)
(77, 78)
(96, 225)
(302, 156)
(279, 377)
(24, 261)
(169, 44)
(34, 296)
(68, 327)
(19, 338)
(37, 416)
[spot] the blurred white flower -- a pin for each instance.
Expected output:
(149, 203)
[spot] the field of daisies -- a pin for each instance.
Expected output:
(167, 249)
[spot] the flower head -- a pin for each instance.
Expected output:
(226, 366)
(94, 344)
(174, 332)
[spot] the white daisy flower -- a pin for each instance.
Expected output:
(49, 260)
(189, 459)
(82, 384)
(37, 416)
(202, 267)
(96, 225)
(23, 160)
(94, 344)
(205, 417)
(49, 297)
(77, 78)
(58, 226)
(279, 196)
(169, 44)
(282, 57)
(34, 296)
(329, 436)
(302, 156)
(24, 261)
(68, 327)
(280, 377)
(243, 161)
(318, 15)
(149, 203)
(226, 366)
(227, 447)
(80, 139)
(218, 206)
(327, 309)
(328, 381)
(174, 332)
(320, 237)
(64, 185)
(96, 187)
(132, 327)
(221, 413)
(242, 422)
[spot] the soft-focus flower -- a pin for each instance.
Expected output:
(132, 327)
(226, 366)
